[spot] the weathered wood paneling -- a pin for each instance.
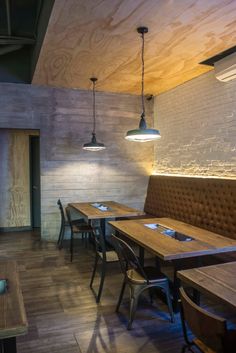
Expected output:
(15, 178)
(14, 184)
(64, 117)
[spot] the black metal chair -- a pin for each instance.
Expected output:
(104, 252)
(210, 331)
(138, 278)
(76, 228)
(65, 223)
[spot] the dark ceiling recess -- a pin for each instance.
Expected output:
(23, 24)
(218, 57)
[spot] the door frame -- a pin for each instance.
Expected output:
(31, 137)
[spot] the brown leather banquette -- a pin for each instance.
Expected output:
(207, 203)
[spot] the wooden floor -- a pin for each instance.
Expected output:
(62, 313)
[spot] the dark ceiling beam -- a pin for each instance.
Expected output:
(9, 48)
(24, 24)
(44, 13)
(8, 11)
(9, 40)
(211, 61)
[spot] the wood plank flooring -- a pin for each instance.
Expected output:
(61, 310)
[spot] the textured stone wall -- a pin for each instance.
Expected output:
(64, 118)
(197, 121)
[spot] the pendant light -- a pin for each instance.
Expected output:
(142, 134)
(94, 145)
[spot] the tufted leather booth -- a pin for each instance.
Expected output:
(207, 203)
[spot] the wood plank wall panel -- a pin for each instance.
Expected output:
(64, 117)
(15, 178)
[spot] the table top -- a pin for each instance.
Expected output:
(13, 321)
(115, 210)
(167, 248)
(216, 280)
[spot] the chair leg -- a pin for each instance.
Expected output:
(188, 348)
(94, 270)
(71, 246)
(166, 289)
(61, 237)
(103, 273)
(151, 295)
(8, 345)
(121, 296)
(133, 306)
(86, 240)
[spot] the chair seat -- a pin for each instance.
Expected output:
(152, 273)
(81, 228)
(202, 346)
(79, 221)
(111, 256)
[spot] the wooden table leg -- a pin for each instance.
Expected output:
(103, 225)
(141, 255)
(196, 294)
(176, 283)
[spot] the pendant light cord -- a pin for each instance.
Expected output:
(94, 117)
(142, 123)
(142, 134)
(142, 81)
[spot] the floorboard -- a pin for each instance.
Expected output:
(61, 310)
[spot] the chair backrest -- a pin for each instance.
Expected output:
(208, 328)
(127, 257)
(68, 215)
(61, 211)
(99, 240)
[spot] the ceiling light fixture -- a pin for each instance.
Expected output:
(94, 145)
(142, 134)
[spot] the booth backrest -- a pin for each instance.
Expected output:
(207, 203)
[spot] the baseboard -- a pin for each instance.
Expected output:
(15, 229)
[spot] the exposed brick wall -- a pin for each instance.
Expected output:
(197, 121)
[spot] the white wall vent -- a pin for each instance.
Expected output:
(225, 69)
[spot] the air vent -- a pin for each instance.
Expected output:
(225, 69)
(224, 64)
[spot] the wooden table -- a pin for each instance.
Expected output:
(115, 210)
(218, 281)
(13, 321)
(167, 248)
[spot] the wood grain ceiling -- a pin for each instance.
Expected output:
(98, 37)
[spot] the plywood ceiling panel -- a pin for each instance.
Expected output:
(98, 37)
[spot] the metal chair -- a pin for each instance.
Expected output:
(65, 223)
(210, 331)
(76, 228)
(138, 278)
(106, 254)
